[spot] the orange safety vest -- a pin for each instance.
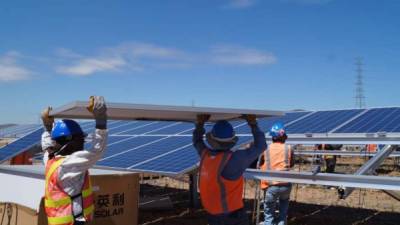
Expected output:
(22, 159)
(218, 195)
(58, 204)
(276, 157)
(371, 148)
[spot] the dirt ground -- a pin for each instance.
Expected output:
(310, 205)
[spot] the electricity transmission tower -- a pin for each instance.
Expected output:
(360, 97)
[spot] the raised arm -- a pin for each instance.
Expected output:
(198, 133)
(81, 161)
(48, 145)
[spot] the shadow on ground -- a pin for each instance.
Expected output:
(299, 213)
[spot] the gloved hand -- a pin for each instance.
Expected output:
(46, 119)
(202, 118)
(99, 110)
(251, 119)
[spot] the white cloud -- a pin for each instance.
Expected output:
(130, 56)
(146, 50)
(87, 66)
(136, 56)
(235, 55)
(240, 4)
(10, 70)
(67, 53)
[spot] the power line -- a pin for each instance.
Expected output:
(359, 97)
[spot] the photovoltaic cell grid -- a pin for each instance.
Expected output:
(20, 145)
(374, 120)
(322, 121)
(166, 147)
(18, 130)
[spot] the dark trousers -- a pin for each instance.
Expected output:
(237, 217)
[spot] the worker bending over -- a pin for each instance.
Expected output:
(68, 192)
(221, 169)
(278, 156)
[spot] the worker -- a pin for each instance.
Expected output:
(330, 160)
(371, 148)
(221, 169)
(68, 192)
(278, 156)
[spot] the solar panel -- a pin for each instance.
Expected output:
(266, 123)
(18, 130)
(322, 121)
(374, 120)
(140, 149)
(20, 145)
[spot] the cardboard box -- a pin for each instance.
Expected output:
(16, 214)
(116, 199)
(115, 194)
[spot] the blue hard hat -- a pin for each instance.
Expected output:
(66, 128)
(223, 131)
(277, 130)
(222, 135)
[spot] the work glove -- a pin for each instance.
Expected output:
(251, 119)
(47, 120)
(98, 107)
(202, 118)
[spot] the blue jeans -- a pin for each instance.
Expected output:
(272, 195)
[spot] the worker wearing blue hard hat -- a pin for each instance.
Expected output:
(278, 156)
(222, 168)
(68, 192)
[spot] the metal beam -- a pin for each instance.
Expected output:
(369, 167)
(344, 140)
(340, 153)
(393, 194)
(329, 179)
(127, 111)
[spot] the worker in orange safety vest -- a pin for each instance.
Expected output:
(221, 169)
(68, 192)
(278, 156)
(372, 148)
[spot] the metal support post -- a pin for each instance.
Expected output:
(194, 195)
(368, 168)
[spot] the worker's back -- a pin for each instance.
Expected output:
(213, 186)
(278, 157)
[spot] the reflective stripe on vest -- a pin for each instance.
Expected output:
(221, 183)
(268, 162)
(218, 194)
(58, 204)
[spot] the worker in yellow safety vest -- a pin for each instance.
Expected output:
(278, 156)
(68, 192)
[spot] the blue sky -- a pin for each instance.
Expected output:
(271, 54)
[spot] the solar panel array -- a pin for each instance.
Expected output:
(20, 145)
(166, 147)
(18, 131)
